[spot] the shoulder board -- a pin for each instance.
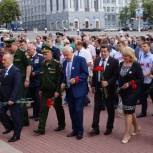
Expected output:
(40, 54)
(56, 61)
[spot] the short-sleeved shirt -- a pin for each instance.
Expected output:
(21, 61)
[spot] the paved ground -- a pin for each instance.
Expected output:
(57, 142)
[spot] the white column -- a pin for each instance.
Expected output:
(60, 5)
(91, 5)
(81, 6)
(67, 5)
(54, 6)
(48, 7)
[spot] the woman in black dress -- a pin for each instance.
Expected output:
(130, 80)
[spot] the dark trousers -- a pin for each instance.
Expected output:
(15, 122)
(76, 106)
(98, 105)
(59, 112)
(143, 98)
(44, 112)
(34, 93)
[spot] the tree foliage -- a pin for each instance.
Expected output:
(129, 12)
(9, 11)
(148, 10)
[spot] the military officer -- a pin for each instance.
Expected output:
(50, 78)
(36, 60)
(23, 64)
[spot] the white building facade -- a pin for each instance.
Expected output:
(71, 14)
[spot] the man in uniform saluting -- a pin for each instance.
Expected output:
(50, 79)
(23, 64)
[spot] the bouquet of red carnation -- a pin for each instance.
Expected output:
(77, 79)
(50, 102)
(133, 84)
(98, 69)
(101, 69)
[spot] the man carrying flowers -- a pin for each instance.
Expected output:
(105, 74)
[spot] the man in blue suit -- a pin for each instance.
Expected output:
(75, 76)
(10, 83)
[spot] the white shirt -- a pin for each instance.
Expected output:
(117, 55)
(146, 62)
(85, 54)
(6, 73)
(92, 50)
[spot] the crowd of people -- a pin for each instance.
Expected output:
(58, 70)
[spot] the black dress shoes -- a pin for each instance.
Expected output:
(141, 115)
(39, 132)
(79, 136)
(72, 134)
(108, 132)
(59, 129)
(7, 131)
(14, 138)
(94, 132)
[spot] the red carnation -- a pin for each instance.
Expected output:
(99, 69)
(133, 84)
(50, 102)
(142, 64)
(77, 79)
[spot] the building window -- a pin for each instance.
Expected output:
(63, 4)
(76, 5)
(96, 5)
(86, 5)
(57, 4)
(51, 5)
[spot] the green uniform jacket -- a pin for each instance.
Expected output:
(50, 76)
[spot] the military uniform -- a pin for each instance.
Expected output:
(50, 77)
(21, 62)
(34, 87)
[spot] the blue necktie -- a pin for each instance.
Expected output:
(68, 77)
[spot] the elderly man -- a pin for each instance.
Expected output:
(24, 65)
(10, 83)
(36, 60)
(75, 80)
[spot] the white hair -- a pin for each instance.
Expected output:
(68, 49)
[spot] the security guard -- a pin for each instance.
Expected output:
(50, 78)
(34, 86)
(146, 62)
(24, 65)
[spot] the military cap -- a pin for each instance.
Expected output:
(59, 34)
(8, 42)
(46, 49)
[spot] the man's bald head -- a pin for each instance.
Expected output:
(7, 60)
(68, 53)
(31, 48)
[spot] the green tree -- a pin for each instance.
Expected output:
(123, 16)
(132, 8)
(9, 11)
(148, 10)
(128, 12)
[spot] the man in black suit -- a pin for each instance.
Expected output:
(10, 83)
(104, 81)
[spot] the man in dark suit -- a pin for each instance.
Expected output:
(10, 83)
(75, 71)
(104, 85)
